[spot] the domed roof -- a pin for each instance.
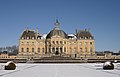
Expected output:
(57, 31)
(83, 34)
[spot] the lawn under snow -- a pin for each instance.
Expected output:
(60, 70)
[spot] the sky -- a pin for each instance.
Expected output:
(102, 17)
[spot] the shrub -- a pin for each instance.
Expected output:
(10, 66)
(108, 65)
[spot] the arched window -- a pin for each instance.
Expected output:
(85, 43)
(57, 42)
(53, 49)
(61, 50)
(60, 42)
(49, 50)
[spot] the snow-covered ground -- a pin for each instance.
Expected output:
(60, 70)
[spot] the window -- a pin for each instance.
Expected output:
(90, 43)
(64, 49)
(64, 42)
(43, 50)
(91, 50)
(85, 43)
(60, 42)
(85, 49)
(80, 49)
(22, 49)
(53, 42)
(80, 43)
(57, 42)
(61, 50)
(27, 49)
(32, 49)
(38, 49)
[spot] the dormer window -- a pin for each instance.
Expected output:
(33, 38)
(80, 38)
(85, 37)
(22, 37)
(90, 38)
(38, 37)
(27, 37)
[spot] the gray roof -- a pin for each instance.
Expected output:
(28, 33)
(83, 34)
(57, 32)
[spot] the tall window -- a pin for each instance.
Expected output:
(80, 49)
(32, 49)
(57, 42)
(65, 49)
(22, 49)
(27, 49)
(43, 50)
(61, 50)
(85, 49)
(49, 50)
(60, 42)
(38, 49)
(91, 50)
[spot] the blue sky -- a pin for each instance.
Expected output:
(101, 16)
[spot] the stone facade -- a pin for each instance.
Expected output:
(33, 45)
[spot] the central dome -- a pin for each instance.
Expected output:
(57, 31)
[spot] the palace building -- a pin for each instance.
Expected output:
(33, 45)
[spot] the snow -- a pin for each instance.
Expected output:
(60, 70)
(8, 63)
